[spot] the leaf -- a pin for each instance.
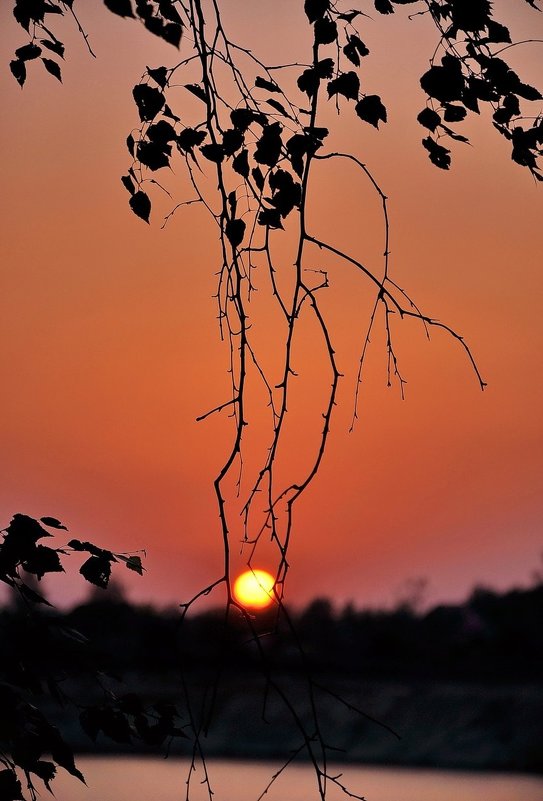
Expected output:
(56, 46)
(97, 569)
(232, 140)
(53, 68)
(355, 49)
(148, 100)
(128, 183)
(325, 31)
(172, 33)
(384, 6)
(371, 109)
(153, 155)
(471, 16)
(45, 770)
(141, 205)
(190, 138)
(496, 32)
(134, 563)
(429, 119)
(439, 155)
(197, 91)
(241, 163)
(32, 596)
(287, 193)
(121, 7)
(258, 177)
(28, 52)
(346, 84)
(270, 86)
(235, 231)
(271, 218)
(131, 145)
(454, 113)
(310, 78)
(18, 70)
(159, 75)
(213, 152)
(316, 9)
(445, 83)
(243, 117)
(277, 106)
(268, 147)
(161, 132)
(52, 522)
(43, 560)
(528, 92)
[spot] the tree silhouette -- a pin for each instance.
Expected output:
(250, 138)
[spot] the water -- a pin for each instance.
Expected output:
(155, 779)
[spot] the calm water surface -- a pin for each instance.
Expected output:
(152, 779)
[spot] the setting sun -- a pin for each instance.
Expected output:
(254, 588)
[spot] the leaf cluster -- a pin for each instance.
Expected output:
(41, 652)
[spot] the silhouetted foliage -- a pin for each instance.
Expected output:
(42, 651)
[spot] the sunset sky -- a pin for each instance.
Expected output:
(110, 348)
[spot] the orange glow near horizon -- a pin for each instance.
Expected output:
(254, 589)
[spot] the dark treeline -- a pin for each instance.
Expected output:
(492, 636)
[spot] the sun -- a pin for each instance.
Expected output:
(254, 589)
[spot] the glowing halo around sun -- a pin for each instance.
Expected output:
(254, 589)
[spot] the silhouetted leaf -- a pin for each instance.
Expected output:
(458, 137)
(32, 596)
(384, 6)
(53, 68)
(28, 52)
(510, 108)
(268, 147)
(172, 32)
(190, 138)
(258, 177)
(159, 75)
(445, 83)
(355, 49)
(232, 140)
(197, 91)
(134, 563)
(528, 92)
(471, 16)
(263, 83)
(235, 231)
(325, 31)
(52, 522)
(454, 113)
(371, 109)
(153, 154)
(287, 193)
(243, 117)
(45, 770)
(18, 70)
(439, 155)
(310, 78)
(213, 152)
(161, 132)
(346, 84)
(277, 106)
(148, 100)
(429, 119)
(43, 560)
(497, 32)
(141, 205)
(97, 569)
(316, 9)
(131, 145)
(270, 218)
(56, 46)
(121, 7)
(241, 163)
(128, 183)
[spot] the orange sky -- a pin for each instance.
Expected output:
(110, 350)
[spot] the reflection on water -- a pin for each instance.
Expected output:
(154, 779)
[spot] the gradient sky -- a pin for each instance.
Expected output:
(110, 349)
